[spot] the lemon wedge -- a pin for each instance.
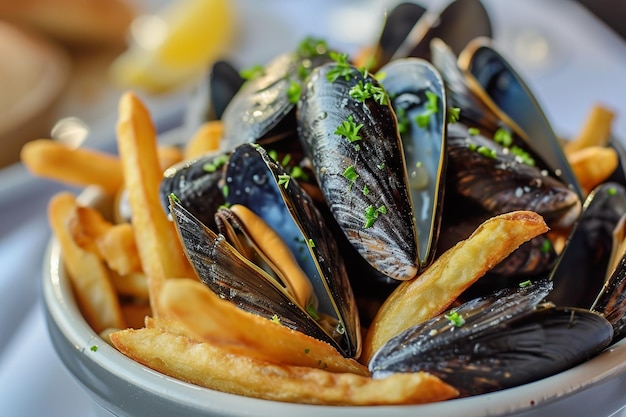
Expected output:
(175, 45)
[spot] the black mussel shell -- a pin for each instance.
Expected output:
(197, 185)
(582, 266)
(611, 301)
(500, 181)
(364, 181)
(263, 109)
(457, 23)
(254, 180)
(498, 349)
(212, 94)
(398, 24)
(508, 93)
(409, 82)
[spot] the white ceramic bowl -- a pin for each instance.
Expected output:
(119, 386)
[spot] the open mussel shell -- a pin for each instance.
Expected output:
(258, 182)
(408, 82)
(611, 301)
(456, 23)
(582, 266)
(197, 185)
(488, 72)
(497, 179)
(363, 178)
(506, 340)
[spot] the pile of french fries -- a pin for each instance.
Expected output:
(135, 287)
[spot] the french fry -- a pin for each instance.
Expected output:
(592, 165)
(212, 319)
(134, 284)
(74, 166)
(206, 139)
(159, 247)
(218, 368)
(169, 155)
(454, 271)
(596, 130)
(89, 275)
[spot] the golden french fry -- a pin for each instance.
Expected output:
(210, 318)
(133, 284)
(596, 130)
(169, 155)
(74, 166)
(206, 139)
(89, 275)
(592, 165)
(159, 247)
(216, 367)
(454, 271)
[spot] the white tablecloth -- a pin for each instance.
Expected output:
(587, 65)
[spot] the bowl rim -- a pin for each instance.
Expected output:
(63, 310)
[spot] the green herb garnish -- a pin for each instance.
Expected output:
(276, 319)
(293, 91)
(225, 191)
(252, 72)
(362, 91)
(503, 137)
(175, 198)
(216, 164)
(453, 114)
(522, 155)
(341, 69)
(455, 318)
(525, 284)
(283, 179)
(546, 246)
(487, 152)
(366, 190)
(473, 131)
(351, 175)
(372, 213)
(93, 348)
(349, 130)
(611, 191)
(311, 243)
(310, 47)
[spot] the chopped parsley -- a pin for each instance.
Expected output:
(342, 69)
(366, 190)
(351, 175)
(522, 155)
(430, 107)
(546, 246)
(298, 173)
(455, 318)
(372, 213)
(503, 137)
(362, 91)
(293, 92)
(525, 284)
(216, 164)
(310, 47)
(453, 114)
(487, 152)
(307, 350)
(276, 319)
(311, 243)
(611, 191)
(252, 72)
(93, 348)
(473, 131)
(403, 121)
(225, 190)
(283, 179)
(349, 130)
(175, 198)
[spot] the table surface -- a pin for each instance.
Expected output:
(585, 65)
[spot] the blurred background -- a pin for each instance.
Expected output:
(73, 58)
(65, 63)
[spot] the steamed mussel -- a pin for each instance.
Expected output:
(382, 152)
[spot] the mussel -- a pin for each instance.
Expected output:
(237, 266)
(350, 133)
(499, 341)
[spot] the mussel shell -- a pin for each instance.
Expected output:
(456, 24)
(212, 94)
(252, 178)
(407, 81)
(390, 244)
(502, 183)
(398, 24)
(196, 184)
(262, 111)
(491, 351)
(611, 301)
(582, 266)
(508, 93)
